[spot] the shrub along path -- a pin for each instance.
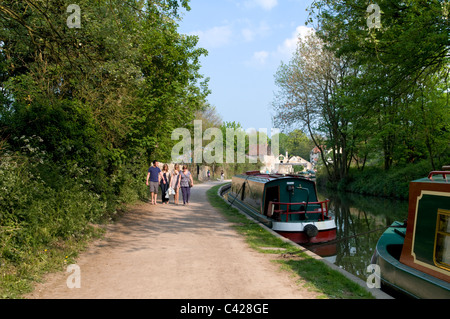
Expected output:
(175, 252)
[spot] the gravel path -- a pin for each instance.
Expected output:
(174, 252)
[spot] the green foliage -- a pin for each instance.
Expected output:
(401, 83)
(103, 98)
(237, 165)
(296, 143)
(126, 72)
(38, 212)
(82, 113)
(383, 94)
(378, 182)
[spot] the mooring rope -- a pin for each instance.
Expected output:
(242, 186)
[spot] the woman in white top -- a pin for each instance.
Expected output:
(175, 183)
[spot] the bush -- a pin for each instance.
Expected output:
(51, 209)
(378, 182)
(33, 214)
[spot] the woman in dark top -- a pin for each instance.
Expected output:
(165, 178)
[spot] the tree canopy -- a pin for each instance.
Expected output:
(105, 94)
(371, 94)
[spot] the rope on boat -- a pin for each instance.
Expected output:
(242, 186)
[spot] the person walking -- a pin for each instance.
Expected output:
(186, 183)
(175, 183)
(164, 183)
(153, 179)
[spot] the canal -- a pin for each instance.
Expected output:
(360, 221)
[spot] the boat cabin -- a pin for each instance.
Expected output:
(287, 198)
(427, 238)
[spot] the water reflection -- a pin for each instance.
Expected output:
(360, 221)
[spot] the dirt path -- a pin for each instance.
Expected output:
(174, 252)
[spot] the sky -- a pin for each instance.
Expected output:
(246, 41)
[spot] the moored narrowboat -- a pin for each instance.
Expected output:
(288, 204)
(414, 257)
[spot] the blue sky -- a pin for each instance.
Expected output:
(246, 40)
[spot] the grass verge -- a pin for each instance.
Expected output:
(17, 279)
(316, 275)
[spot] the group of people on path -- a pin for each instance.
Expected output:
(170, 182)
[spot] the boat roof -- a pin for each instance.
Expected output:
(438, 177)
(265, 178)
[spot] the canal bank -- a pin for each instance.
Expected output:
(376, 293)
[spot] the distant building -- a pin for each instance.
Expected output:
(283, 164)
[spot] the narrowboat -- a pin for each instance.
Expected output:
(414, 256)
(288, 204)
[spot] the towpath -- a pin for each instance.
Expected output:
(174, 252)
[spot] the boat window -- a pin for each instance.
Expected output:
(442, 244)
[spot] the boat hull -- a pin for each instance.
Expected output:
(302, 238)
(401, 277)
(327, 231)
(294, 231)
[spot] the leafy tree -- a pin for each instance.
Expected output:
(312, 94)
(103, 96)
(411, 43)
(296, 143)
(396, 91)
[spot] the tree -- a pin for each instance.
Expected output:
(396, 64)
(313, 94)
(412, 42)
(106, 95)
(283, 140)
(296, 143)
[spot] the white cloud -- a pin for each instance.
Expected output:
(251, 32)
(248, 34)
(283, 52)
(265, 4)
(289, 45)
(215, 37)
(260, 57)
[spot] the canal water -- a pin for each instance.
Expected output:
(360, 221)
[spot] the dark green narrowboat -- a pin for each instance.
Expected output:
(414, 257)
(288, 204)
